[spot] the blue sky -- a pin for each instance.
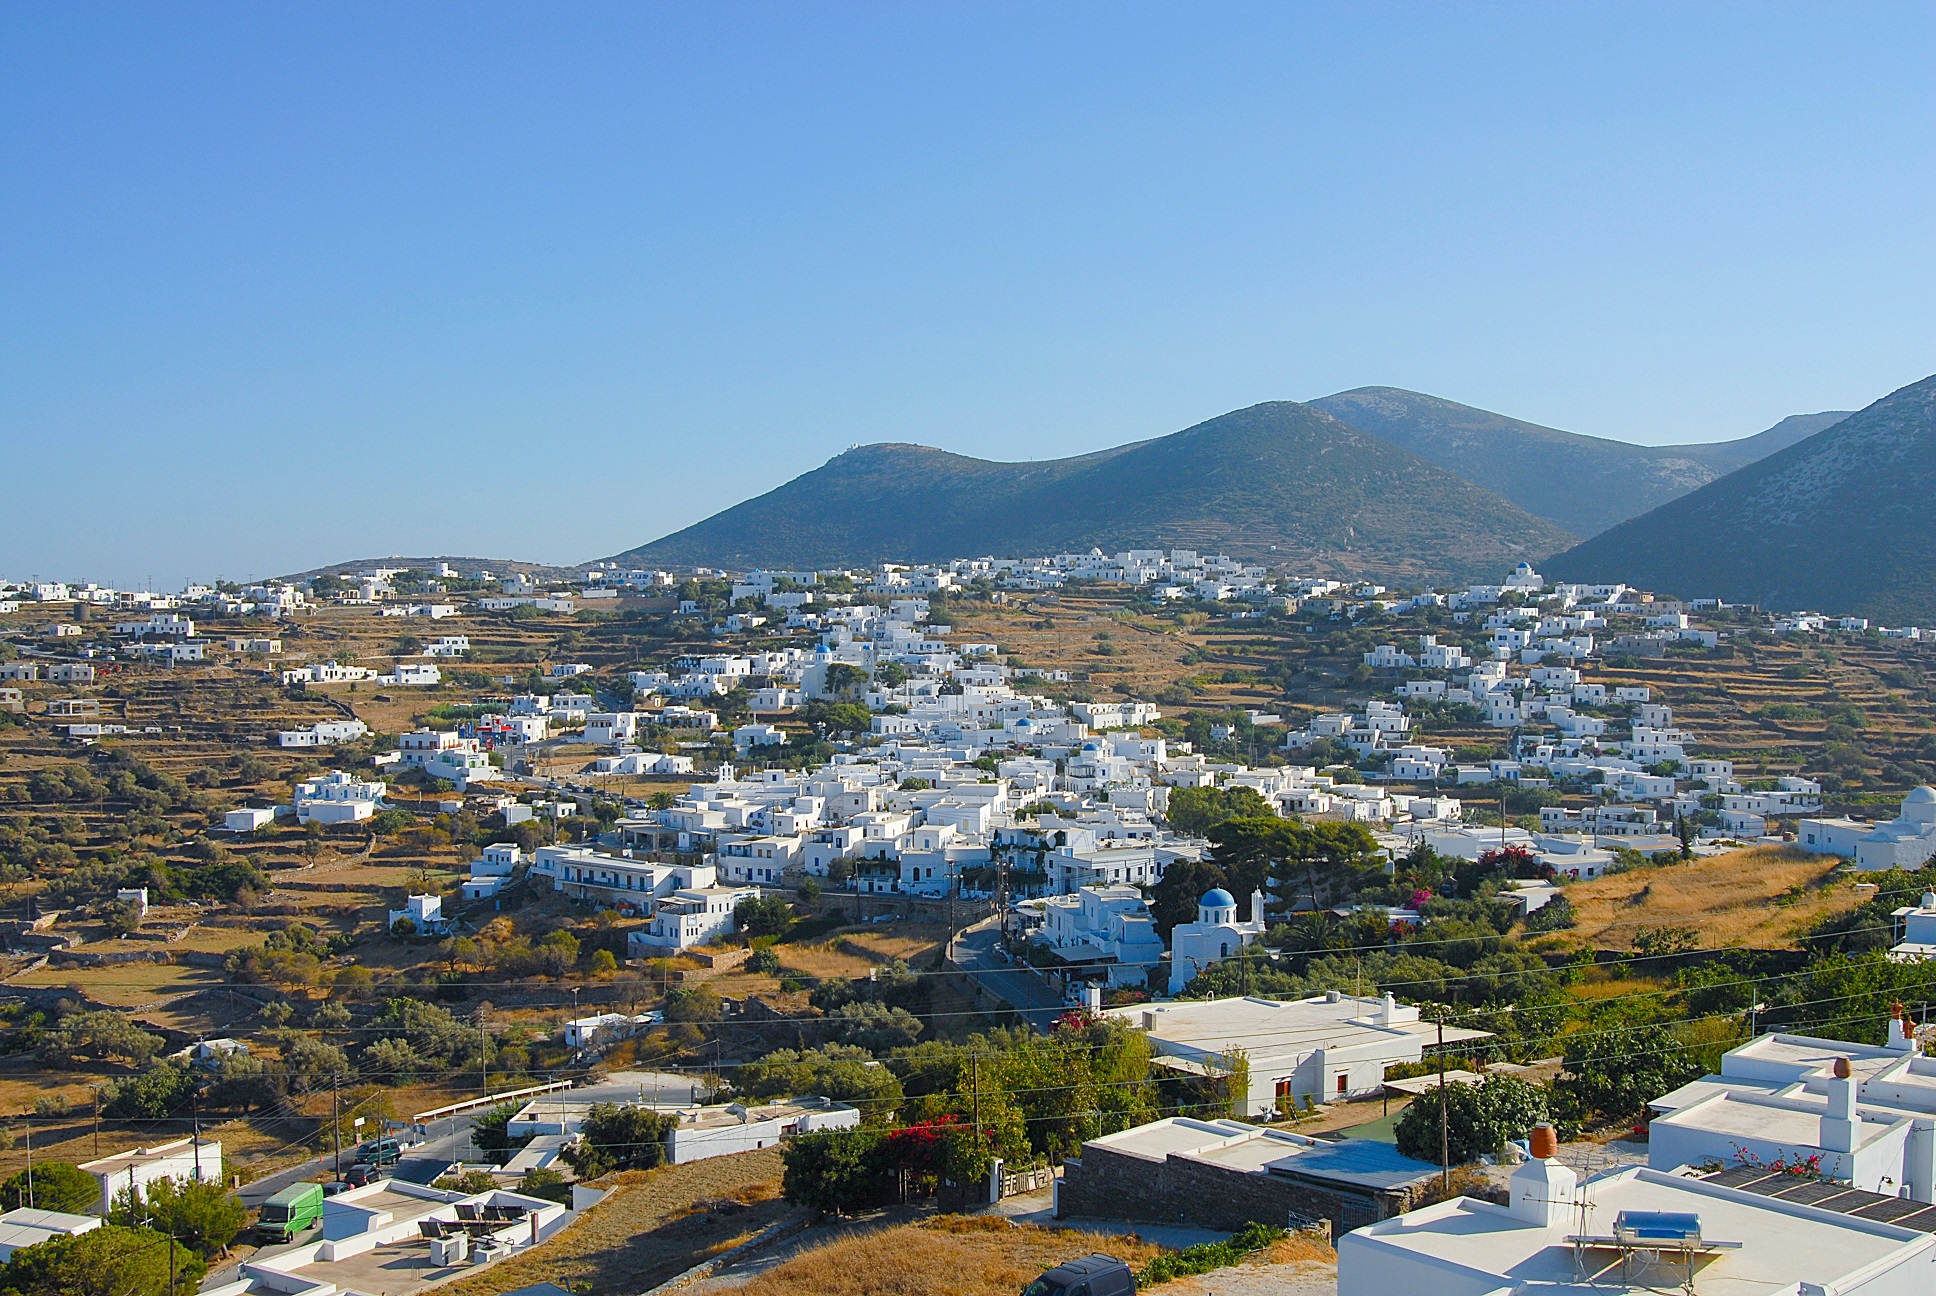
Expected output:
(289, 284)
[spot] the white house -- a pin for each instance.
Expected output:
(713, 1131)
(692, 916)
(337, 797)
(425, 913)
(1215, 935)
(413, 675)
(249, 818)
(183, 1159)
(1106, 925)
(446, 755)
(1326, 1047)
(1915, 930)
(324, 733)
(758, 735)
(1905, 842)
(1864, 1115)
(611, 727)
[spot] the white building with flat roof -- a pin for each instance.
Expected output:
(689, 917)
(1562, 1237)
(23, 1227)
(721, 1131)
(1906, 842)
(1106, 926)
(1915, 930)
(337, 797)
(249, 818)
(1859, 1114)
(183, 1159)
(1326, 1047)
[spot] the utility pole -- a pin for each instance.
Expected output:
(30, 1161)
(336, 1121)
(1445, 1123)
(483, 1056)
(97, 1121)
(974, 1062)
(195, 1110)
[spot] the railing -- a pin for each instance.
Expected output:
(491, 1099)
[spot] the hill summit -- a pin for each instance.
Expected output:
(1280, 481)
(1839, 522)
(1585, 484)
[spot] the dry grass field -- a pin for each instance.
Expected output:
(1762, 898)
(654, 1225)
(962, 1255)
(985, 1255)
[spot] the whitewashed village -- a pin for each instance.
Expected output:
(1083, 862)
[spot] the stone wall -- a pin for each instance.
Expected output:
(1105, 1184)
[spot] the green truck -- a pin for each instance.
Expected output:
(290, 1212)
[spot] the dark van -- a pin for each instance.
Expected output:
(1092, 1275)
(381, 1152)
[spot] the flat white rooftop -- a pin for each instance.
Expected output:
(1465, 1247)
(25, 1227)
(122, 1162)
(1793, 1122)
(1803, 1056)
(1274, 1027)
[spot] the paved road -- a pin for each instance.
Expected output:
(450, 1136)
(974, 953)
(257, 1191)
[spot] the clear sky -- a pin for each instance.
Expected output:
(286, 284)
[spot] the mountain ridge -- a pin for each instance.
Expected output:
(1837, 522)
(1582, 483)
(1278, 479)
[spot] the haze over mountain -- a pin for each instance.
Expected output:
(1585, 484)
(1281, 481)
(1840, 522)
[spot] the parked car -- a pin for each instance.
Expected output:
(363, 1172)
(1091, 1275)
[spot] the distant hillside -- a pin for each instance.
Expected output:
(498, 566)
(1282, 481)
(1729, 455)
(1585, 484)
(1840, 522)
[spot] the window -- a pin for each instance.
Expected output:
(1341, 1083)
(1284, 1089)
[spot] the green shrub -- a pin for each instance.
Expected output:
(1206, 1256)
(1480, 1119)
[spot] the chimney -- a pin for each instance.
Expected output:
(1542, 1189)
(1387, 1010)
(1842, 1126)
(1902, 1036)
